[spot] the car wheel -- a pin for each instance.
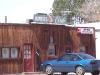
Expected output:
(49, 70)
(95, 73)
(80, 70)
(64, 73)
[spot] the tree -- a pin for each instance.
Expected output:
(90, 10)
(87, 9)
(66, 5)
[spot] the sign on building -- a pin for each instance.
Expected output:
(85, 30)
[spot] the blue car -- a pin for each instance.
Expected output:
(72, 62)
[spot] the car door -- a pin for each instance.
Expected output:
(64, 63)
(74, 60)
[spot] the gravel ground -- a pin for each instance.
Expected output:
(40, 73)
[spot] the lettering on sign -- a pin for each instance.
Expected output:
(85, 30)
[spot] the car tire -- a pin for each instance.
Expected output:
(64, 73)
(80, 70)
(95, 73)
(49, 70)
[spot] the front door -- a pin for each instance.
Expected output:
(28, 58)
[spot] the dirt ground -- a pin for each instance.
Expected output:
(40, 73)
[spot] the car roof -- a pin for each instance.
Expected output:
(75, 53)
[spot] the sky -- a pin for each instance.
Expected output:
(18, 11)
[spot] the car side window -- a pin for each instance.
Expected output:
(70, 57)
(66, 57)
(75, 58)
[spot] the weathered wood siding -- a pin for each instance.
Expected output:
(16, 35)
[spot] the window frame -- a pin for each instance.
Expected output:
(3, 55)
(28, 48)
(63, 58)
(70, 57)
(51, 47)
(11, 53)
(51, 52)
(10, 56)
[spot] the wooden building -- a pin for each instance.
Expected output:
(24, 46)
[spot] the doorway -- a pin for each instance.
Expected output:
(28, 58)
(38, 59)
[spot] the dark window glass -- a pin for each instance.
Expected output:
(86, 56)
(71, 57)
(75, 57)
(66, 57)
(51, 52)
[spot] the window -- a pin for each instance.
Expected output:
(27, 51)
(75, 58)
(5, 53)
(51, 48)
(51, 52)
(9, 53)
(14, 52)
(82, 49)
(66, 57)
(70, 57)
(68, 39)
(86, 56)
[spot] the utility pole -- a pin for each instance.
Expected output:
(5, 19)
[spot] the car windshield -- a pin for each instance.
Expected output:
(86, 56)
